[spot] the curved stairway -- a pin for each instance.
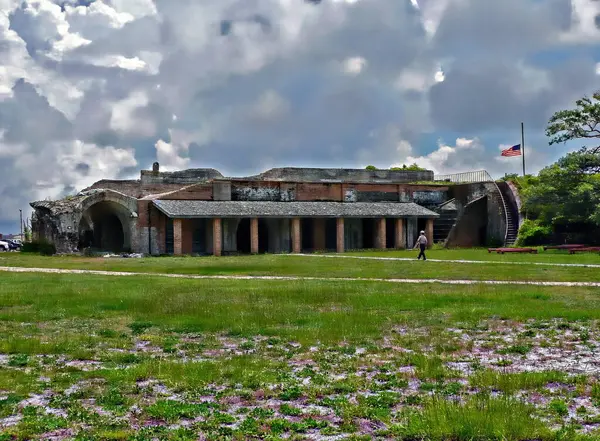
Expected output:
(512, 214)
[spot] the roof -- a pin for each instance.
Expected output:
(200, 209)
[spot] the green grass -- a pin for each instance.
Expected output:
(305, 310)
(479, 419)
(148, 354)
(510, 383)
(477, 254)
(265, 265)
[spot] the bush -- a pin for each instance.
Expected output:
(42, 247)
(532, 233)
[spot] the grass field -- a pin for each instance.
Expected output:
(90, 357)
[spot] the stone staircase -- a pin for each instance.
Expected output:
(512, 214)
(443, 225)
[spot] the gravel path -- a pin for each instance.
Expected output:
(412, 259)
(296, 278)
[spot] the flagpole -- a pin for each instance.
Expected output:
(523, 146)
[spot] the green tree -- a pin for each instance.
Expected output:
(566, 195)
(370, 168)
(583, 122)
(412, 167)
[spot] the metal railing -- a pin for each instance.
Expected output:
(479, 176)
(467, 177)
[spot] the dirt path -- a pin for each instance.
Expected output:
(480, 262)
(295, 278)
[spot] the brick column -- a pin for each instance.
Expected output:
(254, 236)
(217, 237)
(429, 232)
(381, 234)
(340, 234)
(178, 237)
(399, 239)
(296, 236)
(319, 242)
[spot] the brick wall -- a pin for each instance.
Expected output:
(198, 192)
(319, 192)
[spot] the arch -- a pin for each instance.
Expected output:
(108, 221)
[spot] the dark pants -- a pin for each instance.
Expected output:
(422, 253)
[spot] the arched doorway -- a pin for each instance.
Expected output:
(105, 226)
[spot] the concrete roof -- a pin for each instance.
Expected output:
(200, 209)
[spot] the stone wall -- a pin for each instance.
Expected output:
(344, 174)
(471, 230)
(494, 216)
(183, 177)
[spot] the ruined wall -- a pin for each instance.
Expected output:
(343, 174)
(198, 192)
(133, 189)
(471, 230)
(150, 217)
(181, 178)
(494, 215)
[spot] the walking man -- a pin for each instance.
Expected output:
(422, 244)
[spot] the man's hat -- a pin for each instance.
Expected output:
(422, 232)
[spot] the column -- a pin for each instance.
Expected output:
(217, 237)
(254, 236)
(340, 234)
(177, 237)
(381, 234)
(319, 242)
(399, 238)
(296, 236)
(429, 232)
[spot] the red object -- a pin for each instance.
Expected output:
(515, 150)
(583, 250)
(564, 247)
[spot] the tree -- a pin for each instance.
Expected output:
(583, 122)
(412, 167)
(566, 195)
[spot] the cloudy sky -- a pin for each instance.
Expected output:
(101, 89)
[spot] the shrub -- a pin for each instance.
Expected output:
(532, 233)
(42, 247)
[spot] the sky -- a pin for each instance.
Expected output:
(100, 89)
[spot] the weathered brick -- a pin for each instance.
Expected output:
(340, 235)
(380, 234)
(399, 237)
(217, 237)
(296, 236)
(177, 237)
(254, 236)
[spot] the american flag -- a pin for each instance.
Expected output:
(515, 150)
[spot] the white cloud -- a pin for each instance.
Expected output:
(584, 28)
(276, 82)
(124, 116)
(354, 65)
